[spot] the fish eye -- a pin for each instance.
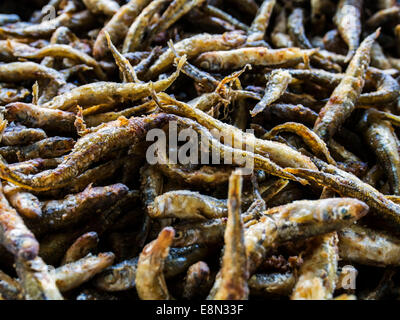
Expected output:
(343, 210)
(109, 278)
(178, 235)
(205, 65)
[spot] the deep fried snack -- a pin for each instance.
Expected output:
(315, 143)
(366, 246)
(107, 7)
(37, 282)
(74, 208)
(279, 36)
(296, 29)
(188, 140)
(110, 93)
(65, 51)
(118, 26)
(172, 14)
(82, 19)
(73, 274)
(20, 71)
(380, 136)
(10, 289)
(26, 204)
(193, 46)
(122, 275)
(186, 204)
(277, 152)
(136, 33)
(256, 56)
(272, 284)
(196, 280)
(318, 274)
(277, 84)
(39, 117)
(14, 235)
(81, 247)
(21, 135)
(343, 99)
(47, 148)
(150, 281)
(348, 21)
(118, 134)
(260, 23)
(234, 270)
(298, 220)
(349, 185)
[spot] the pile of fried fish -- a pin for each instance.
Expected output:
(308, 91)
